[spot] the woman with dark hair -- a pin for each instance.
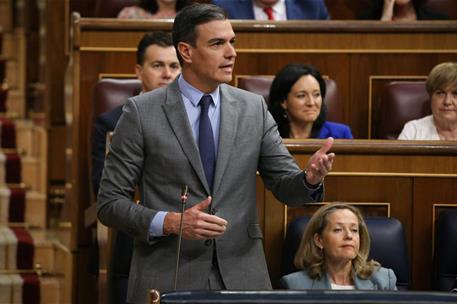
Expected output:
(296, 102)
(153, 9)
(400, 10)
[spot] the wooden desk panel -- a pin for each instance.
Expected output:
(428, 192)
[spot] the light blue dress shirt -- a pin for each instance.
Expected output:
(191, 97)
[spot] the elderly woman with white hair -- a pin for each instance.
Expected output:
(441, 86)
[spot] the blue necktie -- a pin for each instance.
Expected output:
(206, 140)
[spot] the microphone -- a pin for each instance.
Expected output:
(184, 191)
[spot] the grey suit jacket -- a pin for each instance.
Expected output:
(153, 147)
(382, 279)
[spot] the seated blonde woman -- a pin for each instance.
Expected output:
(442, 124)
(333, 254)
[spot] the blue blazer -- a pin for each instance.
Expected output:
(382, 279)
(295, 9)
(335, 130)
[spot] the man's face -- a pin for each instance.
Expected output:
(212, 60)
(160, 67)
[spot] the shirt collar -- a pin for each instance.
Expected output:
(193, 94)
(279, 8)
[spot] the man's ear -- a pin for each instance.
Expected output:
(139, 71)
(185, 50)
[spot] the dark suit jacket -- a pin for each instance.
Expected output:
(104, 124)
(153, 147)
(382, 279)
(335, 130)
(295, 9)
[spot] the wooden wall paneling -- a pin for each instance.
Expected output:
(412, 164)
(367, 209)
(100, 33)
(74, 122)
(273, 235)
(427, 193)
(71, 96)
(6, 15)
(339, 10)
(57, 154)
(54, 48)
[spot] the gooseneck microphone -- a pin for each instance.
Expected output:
(184, 190)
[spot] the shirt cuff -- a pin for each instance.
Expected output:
(156, 226)
(308, 186)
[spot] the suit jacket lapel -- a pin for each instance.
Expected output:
(177, 117)
(246, 7)
(227, 133)
(323, 283)
(363, 284)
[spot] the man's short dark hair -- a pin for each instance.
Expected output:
(186, 21)
(159, 38)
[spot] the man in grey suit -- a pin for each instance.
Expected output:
(160, 146)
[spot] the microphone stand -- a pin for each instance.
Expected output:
(178, 255)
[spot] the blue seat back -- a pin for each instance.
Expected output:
(445, 258)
